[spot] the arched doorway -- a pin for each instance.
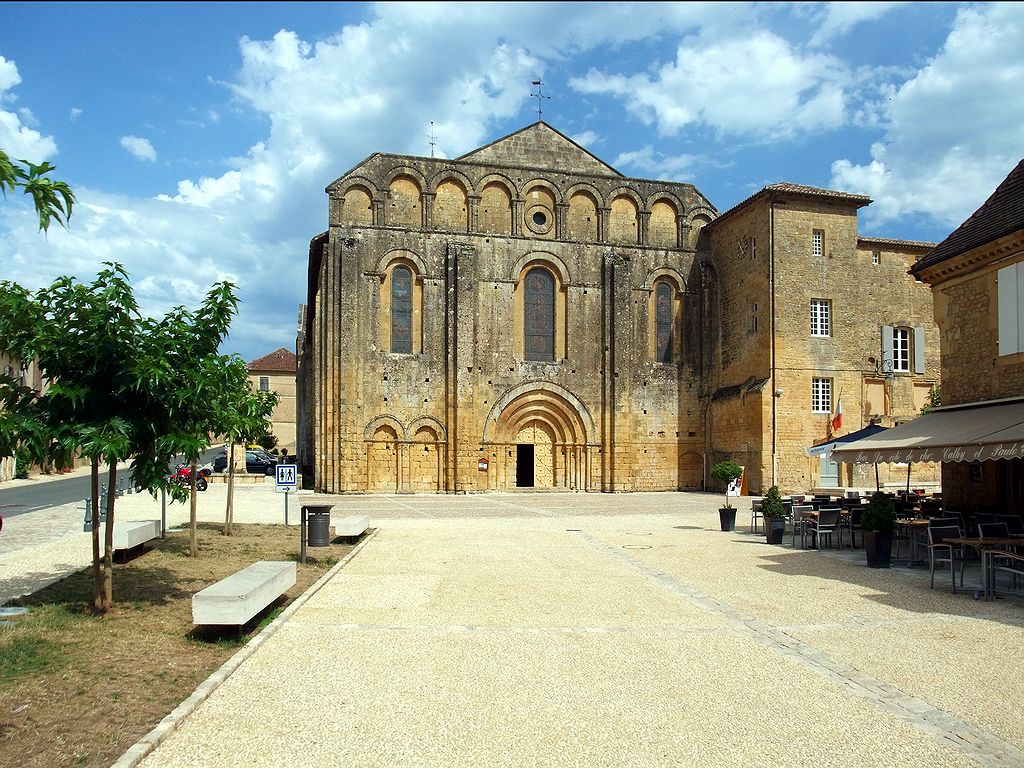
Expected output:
(541, 434)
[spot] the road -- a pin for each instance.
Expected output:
(24, 498)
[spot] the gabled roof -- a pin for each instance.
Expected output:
(774, 191)
(280, 360)
(539, 146)
(1000, 215)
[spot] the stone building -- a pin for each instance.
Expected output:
(977, 276)
(527, 316)
(276, 372)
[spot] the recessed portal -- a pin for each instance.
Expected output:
(524, 466)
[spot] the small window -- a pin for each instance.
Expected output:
(821, 396)
(753, 249)
(876, 257)
(821, 317)
(901, 350)
(663, 299)
(401, 310)
(752, 319)
(818, 243)
(264, 383)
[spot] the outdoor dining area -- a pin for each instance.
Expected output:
(949, 542)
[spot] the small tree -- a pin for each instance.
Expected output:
(771, 504)
(880, 514)
(727, 472)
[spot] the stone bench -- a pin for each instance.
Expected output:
(131, 534)
(351, 527)
(239, 597)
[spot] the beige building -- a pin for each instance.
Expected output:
(977, 276)
(276, 373)
(525, 316)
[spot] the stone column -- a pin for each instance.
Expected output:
(603, 216)
(517, 217)
(473, 202)
(427, 209)
(561, 221)
(643, 222)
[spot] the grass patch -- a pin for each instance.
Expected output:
(78, 689)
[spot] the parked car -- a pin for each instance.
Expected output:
(256, 463)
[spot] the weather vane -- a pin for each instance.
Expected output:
(433, 138)
(539, 96)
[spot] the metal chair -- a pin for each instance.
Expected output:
(798, 523)
(756, 518)
(941, 551)
(824, 526)
(852, 523)
(1014, 524)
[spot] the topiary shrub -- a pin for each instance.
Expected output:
(880, 514)
(727, 471)
(771, 504)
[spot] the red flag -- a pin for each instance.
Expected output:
(837, 420)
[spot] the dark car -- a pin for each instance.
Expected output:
(256, 463)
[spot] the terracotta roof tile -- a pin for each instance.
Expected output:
(1000, 215)
(280, 360)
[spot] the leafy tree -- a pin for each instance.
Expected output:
(53, 199)
(122, 385)
(934, 400)
(243, 414)
(727, 471)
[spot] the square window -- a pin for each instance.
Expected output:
(821, 317)
(821, 395)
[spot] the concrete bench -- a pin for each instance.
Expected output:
(239, 597)
(131, 534)
(351, 527)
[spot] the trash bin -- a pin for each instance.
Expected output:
(318, 526)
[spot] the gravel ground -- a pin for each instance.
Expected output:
(585, 629)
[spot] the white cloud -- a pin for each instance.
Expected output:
(758, 86)
(17, 139)
(954, 130)
(75, 114)
(139, 148)
(836, 19)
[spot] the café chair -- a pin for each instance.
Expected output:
(826, 524)
(941, 551)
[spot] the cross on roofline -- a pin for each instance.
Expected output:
(539, 96)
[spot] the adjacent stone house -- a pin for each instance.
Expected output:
(525, 316)
(276, 372)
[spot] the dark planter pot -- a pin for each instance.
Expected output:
(878, 548)
(774, 529)
(727, 516)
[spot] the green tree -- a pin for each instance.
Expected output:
(53, 199)
(122, 385)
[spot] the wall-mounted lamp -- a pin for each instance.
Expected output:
(780, 392)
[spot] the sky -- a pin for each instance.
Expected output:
(199, 137)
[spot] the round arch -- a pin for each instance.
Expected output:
(533, 399)
(385, 420)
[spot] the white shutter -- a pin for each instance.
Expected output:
(918, 350)
(887, 348)
(1020, 306)
(1008, 298)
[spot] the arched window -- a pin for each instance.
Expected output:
(401, 310)
(663, 313)
(539, 315)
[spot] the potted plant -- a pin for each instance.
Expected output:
(728, 472)
(878, 525)
(774, 513)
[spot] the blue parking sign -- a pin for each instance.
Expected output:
(286, 474)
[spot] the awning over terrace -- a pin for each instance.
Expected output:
(973, 432)
(824, 449)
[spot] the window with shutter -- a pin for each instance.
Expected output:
(1010, 297)
(901, 350)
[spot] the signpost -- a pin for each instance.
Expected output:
(286, 483)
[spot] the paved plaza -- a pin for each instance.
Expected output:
(595, 629)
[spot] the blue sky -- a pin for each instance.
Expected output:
(199, 137)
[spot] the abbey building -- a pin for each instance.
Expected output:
(525, 316)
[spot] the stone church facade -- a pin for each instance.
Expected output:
(525, 316)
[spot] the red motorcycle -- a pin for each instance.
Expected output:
(183, 477)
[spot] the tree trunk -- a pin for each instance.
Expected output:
(97, 573)
(229, 512)
(192, 541)
(108, 540)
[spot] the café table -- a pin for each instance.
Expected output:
(988, 548)
(913, 528)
